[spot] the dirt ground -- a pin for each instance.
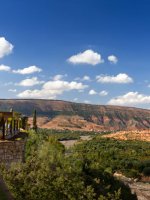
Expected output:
(70, 143)
(130, 135)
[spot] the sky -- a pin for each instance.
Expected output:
(90, 51)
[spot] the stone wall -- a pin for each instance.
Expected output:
(11, 151)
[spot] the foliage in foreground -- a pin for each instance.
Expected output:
(51, 174)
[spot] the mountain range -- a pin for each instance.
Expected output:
(57, 114)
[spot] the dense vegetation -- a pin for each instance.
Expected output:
(52, 173)
(131, 158)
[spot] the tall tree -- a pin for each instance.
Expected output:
(34, 121)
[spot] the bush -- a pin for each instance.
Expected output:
(132, 173)
(146, 171)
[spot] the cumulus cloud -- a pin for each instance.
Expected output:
(112, 59)
(63, 85)
(5, 68)
(5, 47)
(51, 89)
(87, 57)
(86, 78)
(120, 78)
(30, 82)
(28, 70)
(92, 92)
(103, 93)
(59, 77)
(130, 99)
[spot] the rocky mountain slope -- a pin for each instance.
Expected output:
(78, 116)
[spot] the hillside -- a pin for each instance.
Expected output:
(78, 116)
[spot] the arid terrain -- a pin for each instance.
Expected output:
(130, 135)
(78, 116)
(63, 122)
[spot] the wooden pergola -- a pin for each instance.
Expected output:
(10, 124)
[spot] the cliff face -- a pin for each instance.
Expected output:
(62, 114)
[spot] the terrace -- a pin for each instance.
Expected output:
(10, 124)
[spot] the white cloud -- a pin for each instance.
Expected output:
(51, 89)
(59, 77)
(113, 59)
(130, 99)
(63, 85)
(103, 93)
(92, 92)
(120, 78)
(12, 90)
(28, 70)
(5, 68)
(30, 82)
(5, 47)
(87, 57)
(84, 78)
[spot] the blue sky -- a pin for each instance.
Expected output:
(93, 51)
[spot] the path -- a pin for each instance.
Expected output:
(71, 143)
(141, 189)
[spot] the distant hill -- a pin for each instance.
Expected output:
(78, 116)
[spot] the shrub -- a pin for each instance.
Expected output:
(146, 171)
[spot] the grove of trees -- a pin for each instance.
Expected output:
(85, 172)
